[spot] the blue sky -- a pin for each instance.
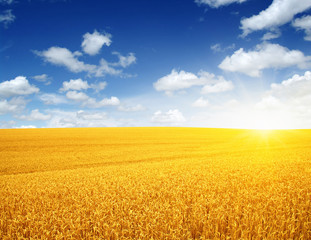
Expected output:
(194, 63)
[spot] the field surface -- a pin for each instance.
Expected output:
(155, 183)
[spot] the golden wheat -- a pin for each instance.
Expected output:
(155, 183)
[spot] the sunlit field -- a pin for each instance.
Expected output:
(155, 183)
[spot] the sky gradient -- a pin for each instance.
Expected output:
(193, 63)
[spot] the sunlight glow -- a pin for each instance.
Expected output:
(266, 120)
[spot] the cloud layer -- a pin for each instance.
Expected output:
(170, 117)
(265, 55)
(176, 81)
(16, 87)
(304, 23)
(91, 45)
(277, 14)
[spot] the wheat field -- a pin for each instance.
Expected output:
(155, 183)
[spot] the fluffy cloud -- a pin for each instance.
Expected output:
(218, 3)
(125, 61)
(182, 80)
(113, 101)
(289, 101)
(87, 101)
(64, 57)
(6, 107)
(177, 81)
(44, 78)
(77, 96)
(294, 88)
(274, 33)
(266, 55)
(92, 43)
(171, 117)
(277, 14)
(269, 102)
(105, 68)
(63, 119)
(218, 48)
(35, 115)
(304, 23)
(75, 84)
(220, 86)
(201, 102)
(99, 86)
(15, 105)
(52, 99)
(6, 17)
(17, 86)
(79, 85)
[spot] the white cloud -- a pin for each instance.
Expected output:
(64, 57)
(79, 85)
(75, 84)
(44, 78)
(220, 86)
(269, 102)
(105, 68)
(274, 33)
(63, 119)
(218, 3)
(7, 124)
(113, 101)
(289, 101)
(15, 105)
(304, 23)
(201, 102)
(41, 78)
(99, 86)
(91, 116)
(6, 17)
(26, 127)
(52, 99)
(293, 89)
(171, 117)
(6, 107)
(87, 101)
(77, 96)
(136, 108)
(182, 80)
(35, 115)
(177, 81)
(125, 61)
(277, 14)
(266, 55)
(92, 43)
(218, 48)
(17, 86)
(285, 105)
